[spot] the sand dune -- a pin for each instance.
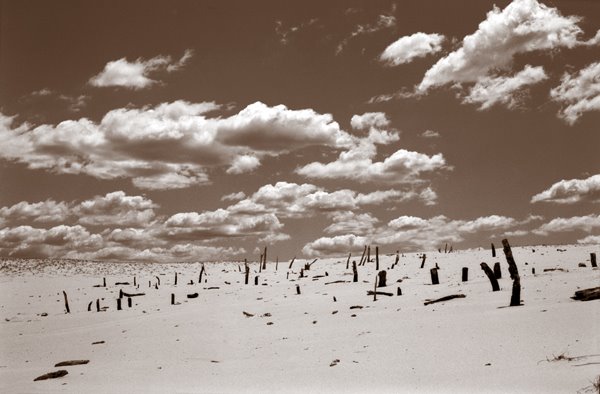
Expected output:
(285, 342)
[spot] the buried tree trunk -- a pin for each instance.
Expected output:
(434, 276)
(497, 271)
(515, 299)
(490, 274)
(382, 279)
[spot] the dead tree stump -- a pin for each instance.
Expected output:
(423, 261)
(382, 279)
(66, 302)
(354, 272)
(172, 299)
(497, 271)
(348, 261)
(247, 274)
(399, 291)
(377, 258)
(292, 262)
(118, 304)
(90, 306)
(298, 289)
(434, 276)
(593, 260)
(200, 276)
(97, 304)
(175, 278)
(490, 274)
(368, 260)
(363, 255)
(256, 280)
(103, 282)
(465, 274)
(129, 302)
(493, 250)
(515, 299)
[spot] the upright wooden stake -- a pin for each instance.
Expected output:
(103, 282)
(348, 261)
(134, 281)
(397, 258)
(354, 272)
(292, 262)
(276, 262)
(175, 278)
(515, 299)
(423, 261)
(465, 274)
(90, 306)
(256, 280)
(260, 263)
(66, 302)
(375, 290)
(490, 274)
(129, 302)
(593, 260)
(118, 304)
(497, 271)
(363, 255)
(265, 259)
(247, 272)
(97, 304)
(446, 248)
(297, 289)
(399, 292)
(493, 250)
(368, 254)
(377, 258)
(201, 273)
(172, 299)
(434, 276)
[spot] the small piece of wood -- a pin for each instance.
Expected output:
(133, 294)
(297, 289)
(90, 306)
(256, 280)
(194, 295)
(490, 274)
(446, 298)
(121, 283)
(587, 294)
(399, 291)
(52, 375)
(71, 362)
(385, 293)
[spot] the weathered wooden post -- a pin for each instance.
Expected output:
(515, 299)
(363, 255)
(157, 280)
(97, 304)
(265, 259)
(247, 274)
(493, 250)
(66, 302)
(298, 289)
(423, 262)
(120, 293)
(175, 278)
(348, 261)
(292, 262)
(90, 306)
(399, 291)
(377, 258)
(129, 302)
(201, 273)
(382, 278)
(149, 283)
(593, 260)
(397, 258)
(446, 248)
(490, 274)
(434, 276)
(301, 272)
(354, 272)
(368, 254)
(276, 263)
(134, 281)
(497, 271)
(533, 270)
(260, 263)
(118, 304)
(465, 274)
(103, 282)
(256, 280)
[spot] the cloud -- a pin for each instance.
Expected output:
(234, 196)
(356, 163)
(285, 34)
(571, 191)
(578, 93)
(430, 134)
(523, 26)
(274, 238)
(349, 222)
(575, 223)
(489, 91)
(170, 145)
(116, 208)
(590, 240)
(407, 48)
(384, 21)
(136, 74)
(338, 245)
(242, 164)
(415, 233)
(48, 211)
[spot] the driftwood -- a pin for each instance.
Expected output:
(515, 299)
(385, 293)
(71, 362)
(447, 298)
(247, 314)
(587, 294)
(52, 375)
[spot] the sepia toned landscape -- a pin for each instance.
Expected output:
(223, 196)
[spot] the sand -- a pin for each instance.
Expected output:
(306, 342)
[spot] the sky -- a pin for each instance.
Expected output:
(205, 130)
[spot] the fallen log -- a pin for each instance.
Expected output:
(133, 294)
(71, 362)
(385, 293)
(51, 375)
(194, 295)
(587, 294)
(336, 281)
(447, 298)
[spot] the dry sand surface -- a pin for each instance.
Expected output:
(303, 343)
